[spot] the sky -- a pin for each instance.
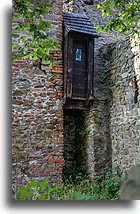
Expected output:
(31, 207)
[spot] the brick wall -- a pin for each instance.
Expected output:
(38, 127)
(37, 112)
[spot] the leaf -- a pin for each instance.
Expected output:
(26, 57)
(14, 16)
(42, 197)
(51, 190)
(33, 184)
(77, 196)
(24, 195)
(15, 35)
(47, 52)
(28, 186)
(49, 5)
(104, 15)
(51, 64)
(13, 46)
(44, 183)
(99, 6)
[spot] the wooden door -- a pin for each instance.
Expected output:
(79, 74)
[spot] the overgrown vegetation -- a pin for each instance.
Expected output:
(31, 30)
(34, 191)
(126, 16)
(102, 188)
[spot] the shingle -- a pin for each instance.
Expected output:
(79, 22)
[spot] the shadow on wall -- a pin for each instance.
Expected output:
(87, 144)
(107, 135)
(74, 143)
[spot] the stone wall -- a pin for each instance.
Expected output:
(112, 121)
(122, 69)
(105, 136)
(37, 112)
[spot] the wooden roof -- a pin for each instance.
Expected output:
(79, 22)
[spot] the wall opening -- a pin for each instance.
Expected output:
(75, 134)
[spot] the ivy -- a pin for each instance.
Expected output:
(30, 29)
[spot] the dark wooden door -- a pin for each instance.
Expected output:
(79, 74)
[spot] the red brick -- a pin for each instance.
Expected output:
(59, 161)
(33, 166)
(28, 150)
(58, 142)
(57, 79)
(57, 71)
(60, 94)
(44, 111)
(51, 160)
(29, 115)
(58, 19)
(34, 90)
(58, 54)
(21, 61)
(48, 83)
(53, 96)
(39, 115)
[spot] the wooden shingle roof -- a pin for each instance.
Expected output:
(79, 22)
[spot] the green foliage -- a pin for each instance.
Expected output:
(76, 175)
(28, 19)
(104, 187)
(126, 16)
(34, 191)
(78, 196)
(85, 190)
(112, 180)
(82, 133)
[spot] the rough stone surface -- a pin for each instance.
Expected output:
(44, 139)
(130, 188)
(37, 127)
(123, 82)
(112, 121)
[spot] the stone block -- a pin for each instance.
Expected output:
(130, 188)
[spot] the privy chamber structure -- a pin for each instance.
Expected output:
(79, 36)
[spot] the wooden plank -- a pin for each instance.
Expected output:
(65, 65)
(79, 75)
(90, 69)
(70, 66)
(79, 80)
(79, 92)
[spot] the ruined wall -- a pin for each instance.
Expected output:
(37, 112)
(107, 133)
(123, 80)
(112, 124)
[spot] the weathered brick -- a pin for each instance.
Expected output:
(38, 95)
